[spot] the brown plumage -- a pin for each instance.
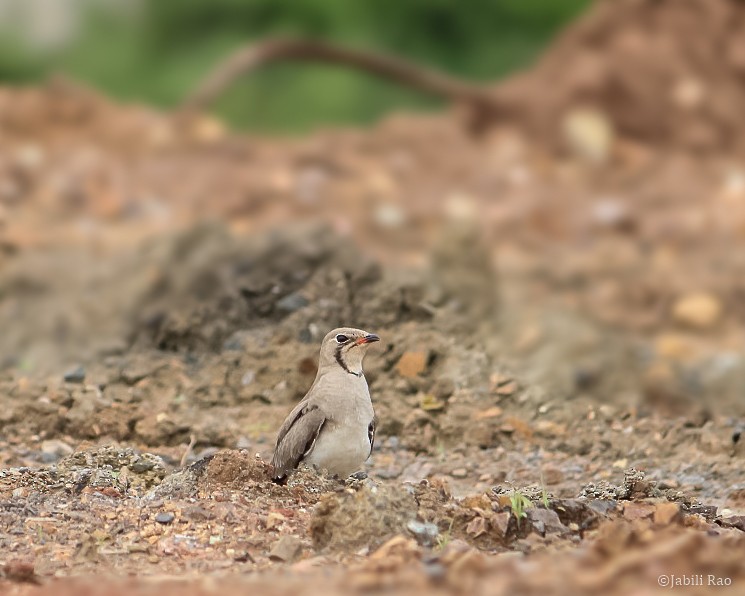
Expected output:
(333, 426)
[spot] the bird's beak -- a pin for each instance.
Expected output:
(367, 339)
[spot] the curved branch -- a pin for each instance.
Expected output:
(248, 59)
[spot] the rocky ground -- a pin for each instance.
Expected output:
(559, 385)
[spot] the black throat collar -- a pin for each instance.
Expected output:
(343, 364)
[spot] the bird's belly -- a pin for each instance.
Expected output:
(340, 450)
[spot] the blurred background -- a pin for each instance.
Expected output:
(156, 52)
(582, 185)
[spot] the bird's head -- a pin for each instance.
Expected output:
(345, 348)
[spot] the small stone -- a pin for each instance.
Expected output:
(497, 380)
(633, 510)
(501, 522)
(589, 133)
(612, 213)
(689, 93)
(424, 533)
(412, 364)
(75, 375)
(207, 129)
(389, 216)
(665, 513)
(673, 346)
(699, 310)
(734, 521)
(459, 473)
(53, 450)
(476, 527)
(286, 549)
(292, 302)
(545, 520)
(248, 378)
(507, 389)
(165, 517)
(493, 412)
(197, 513)
(398, 546)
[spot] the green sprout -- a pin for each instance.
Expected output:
(445, 537)
(519, 503)
(544, 493)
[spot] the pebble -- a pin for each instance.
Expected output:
(164, 517)
(75, 375)
(698, 310)
(292, 302)
(53, 449)
(411, 364)
(286, 549)
(389, 216)
(425, 533)
(589, 134)
(459, 473)
(545, 520)
(665, 513)
(389, 473)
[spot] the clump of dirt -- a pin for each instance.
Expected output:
(236, 471)
(634, 486)
(103, 465)
(651, 66)
(361, 518)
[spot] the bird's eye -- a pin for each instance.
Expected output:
(342, 338)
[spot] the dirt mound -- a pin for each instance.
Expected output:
(230, 471)
(363, 518)
(665, 72)
(210, 283)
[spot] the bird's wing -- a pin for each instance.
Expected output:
(371, 433)
(297, 436)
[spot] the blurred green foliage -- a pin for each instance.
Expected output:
(158, 54)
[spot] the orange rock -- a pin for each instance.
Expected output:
(517, 426)
(476, 501)
(633, 510)
(398, 545)
(699, 310)
(665, 513)
(412, 364)
(549, 428)
(507, 389)
(494, 412)
(476, 527)
(501, 522)
(498, 379)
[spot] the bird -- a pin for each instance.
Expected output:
(333, 427)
